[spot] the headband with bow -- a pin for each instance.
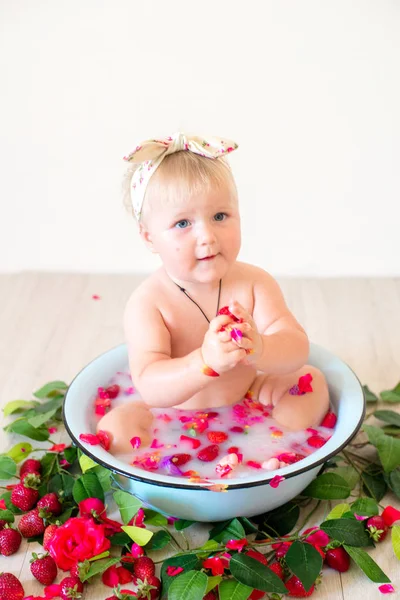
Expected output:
(150, 154)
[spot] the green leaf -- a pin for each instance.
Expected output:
(374, 433)
(233, 531)
(86, 463)
(305, 562)
(87, 486)
(394, 482)
(391, 395)
(39, 420)
(49, 465)
(10, 506)
(6, 515)
(20, 451)
(182, 524)
(389, 452)
(138, 534)
(374, 485)
(104, 476)
(66, 514)
(367, 564)
(188, 586)
(338, 511)
(328, 486)
(365, 507)
(212, 582)
(396, 540)
(248, 526)
(349, 474)
(120, 539)
(70, 454)
(153, 517)
(18, 406)
(128, 505)
(369, 396)
(99, 566)
(233, 590)
(49, 388)
(63, 485)
(159, 540)
(388, 416)
(391, 430)
(8, 467)
(249, 571)
(207, 548)
(186, 561)
(347, 531)
(281, 520)
(22, 427)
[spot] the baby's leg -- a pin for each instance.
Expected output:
(296, 412)
(125, 422)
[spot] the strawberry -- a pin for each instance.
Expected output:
(113, 391)
(237, 429)
(217, 437)
(208, 453)
(48, 534)
(316, 441)
(3, 523)
(377, 528)
(256, 595)
(10, 541)
(23, 497)
(51, 503)
(257, 556)
(338, 559)
(233, 450)
(278, 570)
(31, 465)
(151, 589)
(180, 459)
(31, 524)
(296, 588)
(143, 568)
(70, 587)
(10, 587)
(43, 568)
(210, 596)
(281, 548)
(31, 479)
(329, 420)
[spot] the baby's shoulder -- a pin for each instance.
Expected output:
(256, 275)
(145, 294)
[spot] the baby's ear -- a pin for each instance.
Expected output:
(146, 237)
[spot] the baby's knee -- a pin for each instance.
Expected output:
(125, 422)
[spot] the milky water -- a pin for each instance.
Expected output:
(253, 437)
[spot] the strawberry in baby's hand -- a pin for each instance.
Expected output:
(225, 311)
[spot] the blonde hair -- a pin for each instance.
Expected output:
(181, 174)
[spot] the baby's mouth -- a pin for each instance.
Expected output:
(210, 257)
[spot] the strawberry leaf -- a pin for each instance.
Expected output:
(186, 561)
(328, 486)
(49, 388)
(305, 562)
(20, 451)
(22, 427)
(6, 515)
(396, 540)
(347, 531)
(159, 540)
(99, 566)
(391, 395)
(388, 416)
(138, 534)
(249, 571)
(229, 589)
(128, 505)
(18, 406)
(369, 396)
(365, 507)
(367, 564)
(8, 467)
(188, 586)
(87, 486)
(231, 530)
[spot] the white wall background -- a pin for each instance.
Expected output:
(309, 89)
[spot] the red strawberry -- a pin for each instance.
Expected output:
(257, 556)
(143, 568)
(51, 503)
(210, 596)
(48, 534)
(10, 587)
(152, 589)
(329, 420)
(195, 443)
(71, 587)
(316, 441)
(3, 523)
(233, 450)
(43, 568)
(181, 459)
(31, 479)
(209, 453)
(10, 541)
(278, 570)
(338, 559)
(31, 524)
(112, 391)
(31, 465)
(217, 437)
(296, 588)
(24, 497)
(377, 528)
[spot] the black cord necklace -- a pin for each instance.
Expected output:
(198, 306)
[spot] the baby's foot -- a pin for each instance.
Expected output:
(125, 422)
(272, 464)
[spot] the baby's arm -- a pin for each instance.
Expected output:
(163, 381)
(283, 345)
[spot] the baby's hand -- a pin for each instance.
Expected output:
(219, 351)
(252, 339)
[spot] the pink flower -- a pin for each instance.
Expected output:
(136, 442)
(387, 588)
(110, 576)
(317, 538)
(275, 481)
(57, 448)
(173, 571)
(52, 429)
(390, 515)
(91, 507)
(78, 539)
(237, 544)
(360, 517)
(3, 504)
(215, 564)
(136, 550)
(156, 444)
(52, 591)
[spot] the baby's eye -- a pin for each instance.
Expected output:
(220, 216)
(182, 224)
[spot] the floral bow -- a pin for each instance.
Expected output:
(150, 154)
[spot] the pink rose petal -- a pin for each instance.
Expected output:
(276, 481)
(136, 442)
(95, 297)
(51, 430)
(387, 588)
(360, 517)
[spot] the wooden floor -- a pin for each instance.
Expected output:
(50, 327)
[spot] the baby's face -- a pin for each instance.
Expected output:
(198, 239)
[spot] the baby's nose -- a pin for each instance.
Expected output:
(205, 234)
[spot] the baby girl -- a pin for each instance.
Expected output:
(183, 354)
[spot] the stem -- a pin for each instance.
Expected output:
(308, 517)
(173, 539)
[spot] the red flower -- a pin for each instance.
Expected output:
(237, 544)
(3, 504)
(304, 383)
(173, 571)
(275, 481)
(77, 540)
(390, 515)
(110, 576)
(215, 564)
(57, 448)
